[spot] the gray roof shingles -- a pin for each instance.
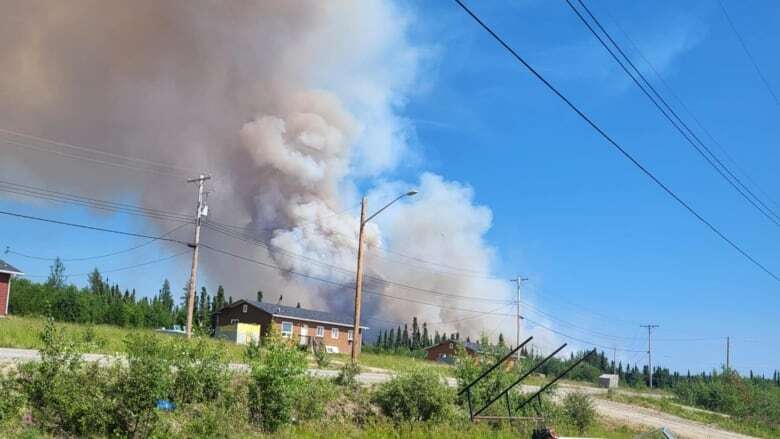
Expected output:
(302, 313)
(5, 267)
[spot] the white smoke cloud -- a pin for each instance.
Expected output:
(289, 103)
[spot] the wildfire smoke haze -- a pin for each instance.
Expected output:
(289, 104)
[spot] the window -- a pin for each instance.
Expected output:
(287, 329)
(244, 308)
(350, 335)
(320, 331)
(233, 321)
(304, 330)
(334, 333)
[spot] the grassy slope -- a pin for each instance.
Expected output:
(672, 407)
(22, 332)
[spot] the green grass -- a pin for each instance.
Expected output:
(377, 430)
(23, 332)
(672, 407)
(395, 363)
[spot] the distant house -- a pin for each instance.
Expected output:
(445, 350)
(7, 271)
(334, 331)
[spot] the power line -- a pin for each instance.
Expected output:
(404, 299)
(349, 272)
(87, 258)
(673, 118)
(80, 200)
(616, 145)
(689, 112)
(747, 52)
(115, 270)
(84, 226)
(140, 162)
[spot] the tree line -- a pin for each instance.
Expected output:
(105, 302)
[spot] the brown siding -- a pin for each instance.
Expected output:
(5, 281)
(257, 316)
(444, 351)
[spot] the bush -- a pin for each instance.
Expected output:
(320, 355)
(65, 397)
(277, 377)
(418, 395)
(201, 371)
(578, 407)
(313, 397)
(11, 398)
(348, 374)
(146, 379)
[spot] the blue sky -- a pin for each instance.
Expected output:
(570, 213)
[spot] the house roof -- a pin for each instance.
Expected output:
(301, 313)
(5, 267)
(470, 345)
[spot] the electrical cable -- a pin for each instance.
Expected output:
(97, 229)
(677, 122)
(616, 145)
(88, 258)
(115, 270)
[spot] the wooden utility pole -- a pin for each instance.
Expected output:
(356, 336)
(200, 212)
(728, 353)
(519, 280)
(649, 352)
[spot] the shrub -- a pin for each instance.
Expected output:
(320, 355)
(146, 379)
(276, 379)
(313, 398)
(252, 351)
(348, 374)
(578, 407)
(11, 398)
(65, 397)
(418, 395)
(201, 372)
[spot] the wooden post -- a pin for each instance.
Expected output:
(356, 335)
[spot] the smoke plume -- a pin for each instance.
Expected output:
(292, 106)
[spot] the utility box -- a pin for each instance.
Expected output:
(608, 381)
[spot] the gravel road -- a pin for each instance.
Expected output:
(621, 413)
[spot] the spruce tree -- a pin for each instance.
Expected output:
(398, 340)
(426, 339)
(436, 337)
(415, 341)
(259, 296)
(405, 342)
(391, 339)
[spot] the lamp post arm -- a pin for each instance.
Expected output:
(380, 210)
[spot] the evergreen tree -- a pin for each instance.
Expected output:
(219, 299)
(501, 343)
(398, 338)
(203, 307)
(259, 296)
(166, 299)
(230, 300)
(378, 339)
(457, 336)
(95, 282)
(426, 338)
(415, 341)
(436, 337)
(57, 276)
(405, 342)
(444, 337)
(298, 305)
(391, 339)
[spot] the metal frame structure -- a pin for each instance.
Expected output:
(475, 415)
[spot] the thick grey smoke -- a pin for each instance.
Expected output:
(288, 103)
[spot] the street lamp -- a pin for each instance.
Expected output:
(357, 337)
